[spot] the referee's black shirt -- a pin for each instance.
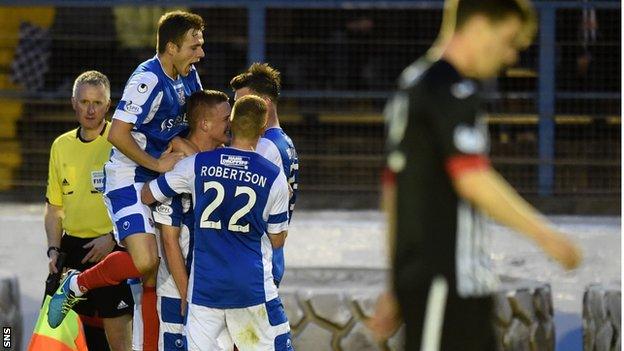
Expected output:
(435, 133)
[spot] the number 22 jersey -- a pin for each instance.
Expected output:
(240, 198)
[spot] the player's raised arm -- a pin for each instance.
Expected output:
(120, 136)
(486, 189)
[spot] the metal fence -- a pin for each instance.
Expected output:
(554, 118)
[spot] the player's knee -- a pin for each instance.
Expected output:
(146, 263)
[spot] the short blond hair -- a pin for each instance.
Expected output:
(249, 117)
(94, 78)
(199, 101)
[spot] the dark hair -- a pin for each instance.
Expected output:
(261, 78)
(199, 101)
(249, 117)
(494, 10)
(172, 26)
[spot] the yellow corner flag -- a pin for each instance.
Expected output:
(69, 336)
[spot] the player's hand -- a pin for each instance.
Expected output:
(562, 250)
(100, 247)
(387, 318)
(168, 159)
(183, 305)
(52, 263)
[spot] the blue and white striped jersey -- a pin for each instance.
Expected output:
(240, 198)
(278, 148)
(156, 104)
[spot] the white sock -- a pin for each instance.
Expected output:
(73, 286)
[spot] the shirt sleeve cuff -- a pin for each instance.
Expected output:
(54, 202)
(458, 165)
(156, 192)
(125, 116)
(276, 228)
(388, 177)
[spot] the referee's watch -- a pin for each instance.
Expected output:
(53, 248)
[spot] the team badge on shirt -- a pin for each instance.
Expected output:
(142, 88)
(181, 97)
(97, 180)
(463, 89)
(469, 139)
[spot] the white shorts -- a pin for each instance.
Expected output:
(261, 327)
(172, 336)
(128, 213)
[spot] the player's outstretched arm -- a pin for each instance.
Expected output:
(120, 136)
(175, 260)
(488, 191)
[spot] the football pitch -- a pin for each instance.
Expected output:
(354, 240)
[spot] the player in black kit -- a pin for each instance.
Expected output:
(442, 181)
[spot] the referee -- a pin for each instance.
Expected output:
(440, 181)
(76, 221)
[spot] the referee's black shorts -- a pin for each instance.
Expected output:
(465, 324)
(106, 302)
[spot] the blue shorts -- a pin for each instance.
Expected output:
(128, 213)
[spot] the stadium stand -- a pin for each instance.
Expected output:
(13, 21)
(339, 65)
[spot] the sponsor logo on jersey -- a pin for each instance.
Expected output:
(469, 139)
(463, 89)
(65, 182)
(132, 108)
(235, 161)
(173, 122)
(164, 209)
(142, 88)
